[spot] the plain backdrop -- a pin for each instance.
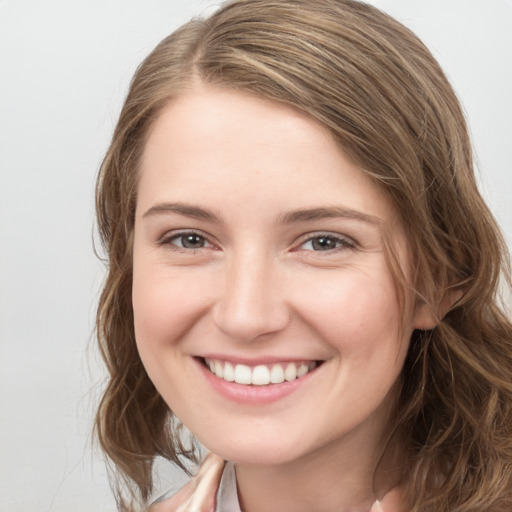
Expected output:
(64, 71)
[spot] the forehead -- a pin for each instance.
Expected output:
(222, 147)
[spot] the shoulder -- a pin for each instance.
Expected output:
(199, 493)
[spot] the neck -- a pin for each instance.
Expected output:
(341, 476)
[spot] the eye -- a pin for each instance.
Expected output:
(326, 242)
(187, 240)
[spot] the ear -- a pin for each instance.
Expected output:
(425, 318)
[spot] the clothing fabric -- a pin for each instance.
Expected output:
(213, 489)
(227, 496)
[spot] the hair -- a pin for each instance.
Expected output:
(382, 95)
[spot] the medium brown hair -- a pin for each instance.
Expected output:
(380, 92)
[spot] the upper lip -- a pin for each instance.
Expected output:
(255, 361)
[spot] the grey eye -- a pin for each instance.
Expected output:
(324, 243)
(186, 240)
(190, 241)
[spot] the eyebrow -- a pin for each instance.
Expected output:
(188, 210)
(312, 214)
(292, 217)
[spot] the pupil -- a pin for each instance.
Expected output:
(192, 241)
(323, 243)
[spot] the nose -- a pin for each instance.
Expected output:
(251, 303)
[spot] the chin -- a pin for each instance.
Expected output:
(254, 452)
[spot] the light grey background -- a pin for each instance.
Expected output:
(64, 70)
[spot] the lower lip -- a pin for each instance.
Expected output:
(250, 394)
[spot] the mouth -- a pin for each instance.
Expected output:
(262, 374)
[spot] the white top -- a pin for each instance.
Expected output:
(227, 497)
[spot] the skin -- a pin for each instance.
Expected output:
(256, 287)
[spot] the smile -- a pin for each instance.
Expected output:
(260, 375)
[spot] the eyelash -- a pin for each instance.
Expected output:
(341, 242)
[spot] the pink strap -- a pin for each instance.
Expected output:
(198, 495)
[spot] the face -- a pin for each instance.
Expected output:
(265, 310)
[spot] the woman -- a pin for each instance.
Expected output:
(302, 272)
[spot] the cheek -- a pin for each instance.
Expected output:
(166, 308)
(165, 305)
(354, 309)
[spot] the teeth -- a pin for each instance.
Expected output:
(291, 372)
(261, 375)
(229, 372)
(302, 370)
(242, 374)
(219, 369)
(277, 374)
